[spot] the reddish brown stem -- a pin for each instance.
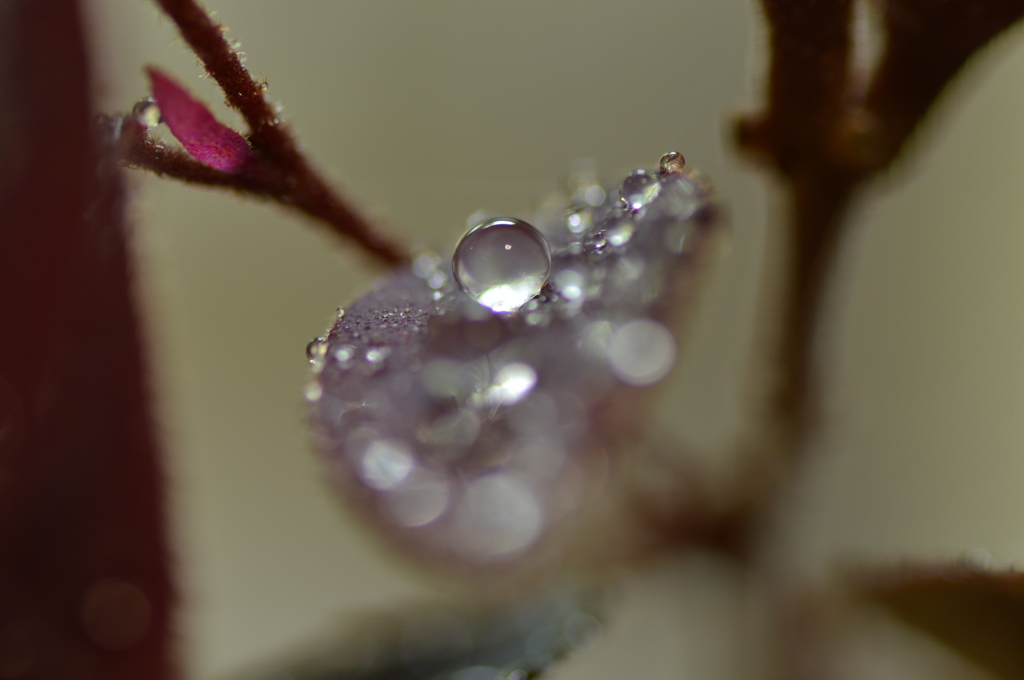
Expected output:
(826, 151)
(145, 153)
(796, 135)
(929, 42)
(285, 175)
(260, 181)
(241, 91)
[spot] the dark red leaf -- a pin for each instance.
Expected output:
(979, 614)
(208, 140)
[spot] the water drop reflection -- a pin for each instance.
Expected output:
(498, 515)
(385, 464)
(502, 263)
(147, 113)
(641, 352)
(511, 383)
(420, 500)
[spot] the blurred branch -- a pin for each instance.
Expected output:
(981, 615)
(825, 142)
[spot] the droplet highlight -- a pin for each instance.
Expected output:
(420, 500)
(316, 352)
(386, 463)
(377, 355)
(620, 233)
(641, 352)
(511, 384)
(498, 515)
(502, 263)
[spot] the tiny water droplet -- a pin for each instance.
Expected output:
(502, 263)
(316, 350)
(498, 515)
(672, 162)
(511, 383)
(420, 500)
(620, 233)
(641, 352)
(437, 279)
(146, 112)
(579, 220)
(425, 264)
(386, 464)
(569, 283)
(343, 355)
(314, 392)
(594, 196)
(313, 348)
(639, 189)
(377, 355)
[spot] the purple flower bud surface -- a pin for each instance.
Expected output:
(461, 407)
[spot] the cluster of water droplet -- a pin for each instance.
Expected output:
(462, 408)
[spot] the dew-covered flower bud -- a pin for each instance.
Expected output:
(462, 409)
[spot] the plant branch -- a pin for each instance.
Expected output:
(929, 42)
(242, 92)
(282, 173)
(826, 148)
(265, 181)
(145, 153)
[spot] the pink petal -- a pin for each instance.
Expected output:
(193, 125)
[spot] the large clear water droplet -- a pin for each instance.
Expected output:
(502, 263)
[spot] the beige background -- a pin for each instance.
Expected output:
(426, 112)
